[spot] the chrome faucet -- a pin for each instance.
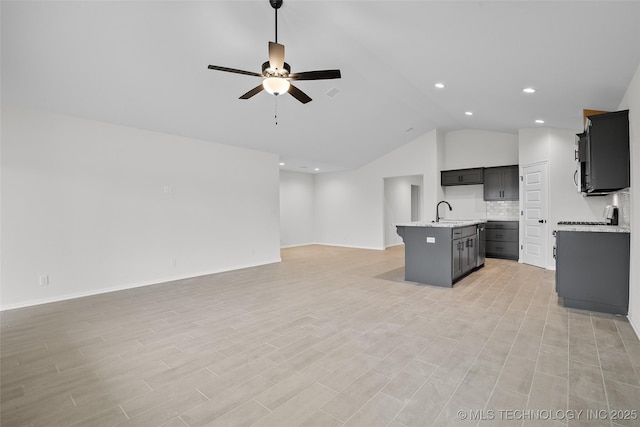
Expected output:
(438, 205)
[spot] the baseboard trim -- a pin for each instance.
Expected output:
(335, 245)
(76, 295)
(374, 248)
(297, 245)
(636, 328)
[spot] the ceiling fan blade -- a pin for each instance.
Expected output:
(234, 70)
(276, 56)
(252, 92)
(316, 75)
(298, 94)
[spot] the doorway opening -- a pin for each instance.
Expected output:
(402, 203)
(415, 202)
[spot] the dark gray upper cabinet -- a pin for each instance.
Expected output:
(501, 183)
(461, 176)
(604, 153)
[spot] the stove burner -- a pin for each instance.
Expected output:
(582, 223)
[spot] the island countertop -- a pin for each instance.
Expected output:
(442, 223)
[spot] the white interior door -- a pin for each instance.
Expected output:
(534, 206)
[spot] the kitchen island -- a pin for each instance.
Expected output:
(440, 253)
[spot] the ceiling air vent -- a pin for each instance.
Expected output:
(333, 92)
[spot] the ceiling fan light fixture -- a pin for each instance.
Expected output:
(276, 85)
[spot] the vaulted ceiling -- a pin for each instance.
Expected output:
(144, 64)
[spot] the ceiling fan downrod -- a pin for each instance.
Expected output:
(276, 4)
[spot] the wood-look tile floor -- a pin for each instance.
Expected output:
(329, 337)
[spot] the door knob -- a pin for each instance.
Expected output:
(542, 221)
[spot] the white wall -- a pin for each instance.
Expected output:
(631, 101)
(397, 205)
(350, 205)
(100, 207)
(297, 208)
(471, 148)
(556, 147)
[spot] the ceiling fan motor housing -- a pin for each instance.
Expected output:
(267, 71)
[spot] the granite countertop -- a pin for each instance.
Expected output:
(594, 228)
(442, 223)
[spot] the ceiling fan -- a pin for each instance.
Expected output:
(277, 74)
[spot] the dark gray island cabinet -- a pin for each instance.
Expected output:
(439, 254)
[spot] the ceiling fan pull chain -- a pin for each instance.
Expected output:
(276, 110)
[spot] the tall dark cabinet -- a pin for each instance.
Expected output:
(501, 183)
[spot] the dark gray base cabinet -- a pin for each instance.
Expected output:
(464, 250)
(503, 240)
(592, 270)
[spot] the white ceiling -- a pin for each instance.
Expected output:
(144, 64)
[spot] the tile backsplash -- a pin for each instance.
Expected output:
(503, 210)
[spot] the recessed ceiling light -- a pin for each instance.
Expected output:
(439, 85)
(539, 121)
(281, 163)
(529, 90)
(316, 169)
(468, 113)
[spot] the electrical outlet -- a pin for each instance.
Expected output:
(173, 263)
(44, 280)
